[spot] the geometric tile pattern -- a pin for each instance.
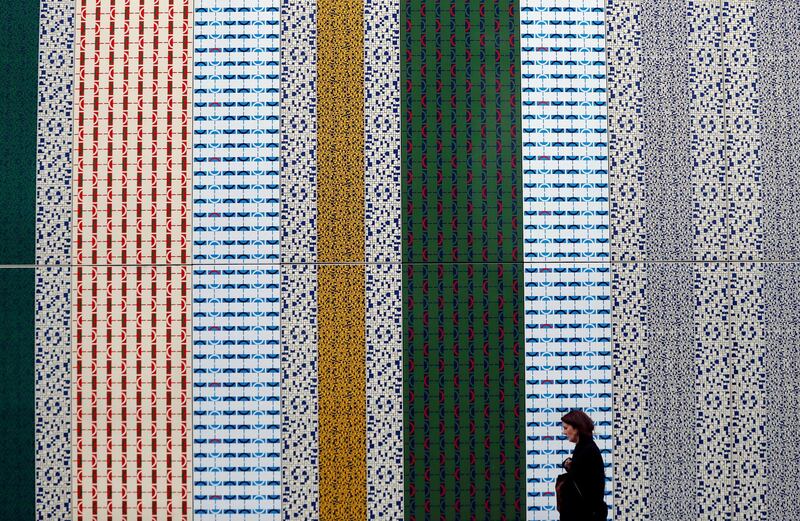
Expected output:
(299, 332)
(383, 249)
(195, 162)
(299, 391)
(384, 385)
(131, 177)
(567, 366)
(235, 223)
(462, 253)
(382, 168)
(700, 153)
(53, 407)
(131, 325)
(341, 277)
(53, 247)
(565, 191)
(131, 396)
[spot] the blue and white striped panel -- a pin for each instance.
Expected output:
(567, 366)
(567, 275)
(236, 381)
(236, 280)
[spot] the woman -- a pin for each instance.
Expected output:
(582, 488)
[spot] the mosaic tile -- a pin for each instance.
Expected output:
(463, 398)
(462, 261)
(781, 359)
(777, 26)
(630, 379)
(671, 388)
(299, 392)
(384, 390)
(689, 395)
(566, 208)
(236, 427)
(567, 366)
(131, 162)
(53, 380)
(53, 247)
(298, 154)
(342, 392)
(299, 334)
(131, 325)
(131, 392)
(21, 148)
(382, 146)
(23, 407)
(235, 223)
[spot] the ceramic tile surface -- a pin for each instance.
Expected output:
(350, 259)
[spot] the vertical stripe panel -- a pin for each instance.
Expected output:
(628, 243)
(340, 235)
(630, 352)
(777, 26)
(745, 179)
(384, 388)
(782, 380)
(706, 129)
(17, 386)
(131, 394)
(18, 146)
(711, 319)
(299, 388)
(748, 414)
(131, 326)
(236, 280)
(382, 215)
(340, 131)
(382, 235)
(671, 354)
(53, 238)
(342, 400)
(565, 190)
(625, 162)
(462, 293)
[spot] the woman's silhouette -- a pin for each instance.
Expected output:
(581, 489)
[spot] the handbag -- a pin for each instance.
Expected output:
(599, 513)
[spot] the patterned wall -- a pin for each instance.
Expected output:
(703, 245)
(235, 248)
(348, 259)
(567, 271)
(462, 253)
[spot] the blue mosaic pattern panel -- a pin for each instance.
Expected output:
(53, 247)
(299, 401)
(567, 366)
(564, 133)
(236, 381)
(567, 275)
(236, 279)
(236, 131)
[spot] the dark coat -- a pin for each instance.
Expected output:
(588, 478)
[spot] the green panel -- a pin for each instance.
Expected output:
(462, 213)
(16, 393)
(18, 62)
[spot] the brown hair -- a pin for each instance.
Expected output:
(581, 422)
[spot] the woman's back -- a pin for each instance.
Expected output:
(583, 492)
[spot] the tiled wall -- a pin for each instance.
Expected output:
(348, 259)
(703, 132)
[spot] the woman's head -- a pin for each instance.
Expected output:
(577, 425)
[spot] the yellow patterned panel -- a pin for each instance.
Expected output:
(342, 395)
(340, 131)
